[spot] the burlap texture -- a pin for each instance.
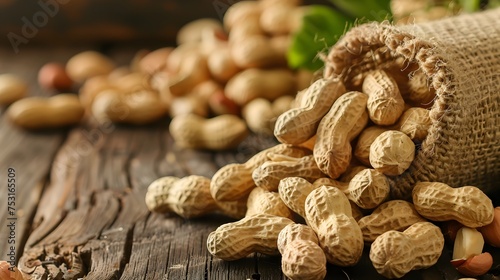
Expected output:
(461, 58)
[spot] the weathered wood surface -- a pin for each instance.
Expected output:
(81, 211)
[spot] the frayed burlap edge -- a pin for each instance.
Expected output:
(436, 160)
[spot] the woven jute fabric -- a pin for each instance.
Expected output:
(461, 58)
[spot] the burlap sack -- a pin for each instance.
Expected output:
(461, 58)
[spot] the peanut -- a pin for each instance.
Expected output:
(476, 265)
(415, 122)
(259, 116)
(439, 202)
(392, 215)
(254, 83)
(299, 124)
(218, 133)
(332, 150)
(468, 243)
(269, 174)
(188, 104)
(53, 112)
(53, 76)
(328, 213)
(263, 201)
(257, 233)
(365, 140)
(368, 189)
(240, 12)
(234, 181)
(245, 29)
(421, 93)
(258, 51)
(491, 232)
(188, 197)
(192, 71)
(395, 253)
(221, 65)
(88, 64)
(12, 88)
(385, 104)
(301, 256)
(140, 107)
(293, 191)
(154, 61)
(281, 19)
(281, 105)
(392, 152)
(92, 87)
(192, 31)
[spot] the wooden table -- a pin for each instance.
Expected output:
(80, 210)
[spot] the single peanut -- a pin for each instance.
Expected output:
(254, 83)
(365, 140)
(12, 88)
(53, 76)
(218, 133)
(385, 104)
(154, 61)
(279, 19)
(234, 181)
(328, 213)
(92, 87)
(263, 201)
(468, 243)
(188, 104)
(221, 65)
(415, 122)
(188, 197)
(259, 116)
(191, 72)
(332, 150)
(491, 232)
(368, 189)
(192, 32)
(421, 93)
(391, 215)
(138, 107)
(39, 112)
(256, 233)
(300, 123)
(301, 256)
(392, 152)
(258, 51)
(269, 174)
(293, 191)
(395, 253)
(88, 64)
(240, 12)
(439, 202)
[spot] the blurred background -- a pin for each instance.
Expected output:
(73, 22)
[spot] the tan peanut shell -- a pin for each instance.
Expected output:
(392, 152)
(329, 214)
(256, 51)
(88, 64)
(365, 140)
(368, 189)
(439, 202)
(12, 88)
(299, 124)
(259, 116)
(240, 12)
(234, 181)
(218, 133)
(269, 174)
(140, 107)
(395, 253)
(385, 103)
(257, 233)
(391, 215)
(415, 122)
(301, 256)
(293, 191)
(53, 112)
(254, 83)
(188, 197)
(264, 201)
(332, 150)
(421, 93)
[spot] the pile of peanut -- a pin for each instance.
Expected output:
(322, 195)
(229, 74)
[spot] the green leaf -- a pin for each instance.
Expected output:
(470, 5)
(377, 10)
(321, 28)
